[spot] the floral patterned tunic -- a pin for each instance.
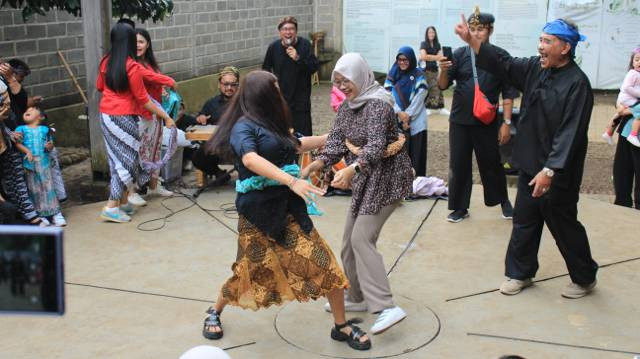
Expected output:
(382, 181)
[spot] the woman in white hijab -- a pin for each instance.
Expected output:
(366, 119)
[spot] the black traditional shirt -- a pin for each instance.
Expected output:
(267, 209)
(214, 107)
(554, 114)
(294, 77)
(491, 85)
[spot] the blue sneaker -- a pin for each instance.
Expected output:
(128, 209)
(117, 216)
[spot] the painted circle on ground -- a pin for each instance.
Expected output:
(307, 326)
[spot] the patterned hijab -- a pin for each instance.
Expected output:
(354, 67)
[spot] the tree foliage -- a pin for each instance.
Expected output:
(143, 10)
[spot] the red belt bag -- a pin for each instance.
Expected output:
(483, 110)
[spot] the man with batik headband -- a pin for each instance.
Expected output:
(550, 150)
(291, 59)
(467, 134)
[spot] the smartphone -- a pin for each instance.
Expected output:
(446, 52)
(31, 270)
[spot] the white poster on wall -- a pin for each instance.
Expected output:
(377, 29)
(620, 36)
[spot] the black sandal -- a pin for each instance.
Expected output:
(213, 320)
(352, 339)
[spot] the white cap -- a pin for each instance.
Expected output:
(205, 352)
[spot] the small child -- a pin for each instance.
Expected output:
(627, 99)
(36, 142)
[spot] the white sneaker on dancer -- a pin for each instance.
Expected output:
(44, 222)
(160, 191)
(429, 112)
(388, 318)
(59, 221)
(349, 306)
(444, 112)
(136, 200)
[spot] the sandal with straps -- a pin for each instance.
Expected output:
(213, 320)
(353, 339)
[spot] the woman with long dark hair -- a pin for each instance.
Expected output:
(431, 53)
(124, 100)
(150, 128)
(281, 257)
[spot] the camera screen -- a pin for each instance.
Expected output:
(31, 270)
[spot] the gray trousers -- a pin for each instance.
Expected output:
(362, 262)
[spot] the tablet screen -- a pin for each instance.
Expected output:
(31, 270)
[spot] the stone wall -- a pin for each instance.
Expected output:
(198, 39)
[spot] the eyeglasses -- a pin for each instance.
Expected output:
(229, 84)
(402, 60)
(288, 28)
(340, 83)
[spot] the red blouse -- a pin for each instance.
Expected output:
(155, 81)
(129, 102)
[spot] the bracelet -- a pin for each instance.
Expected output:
(292, 182)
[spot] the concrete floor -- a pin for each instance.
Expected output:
(142, 294)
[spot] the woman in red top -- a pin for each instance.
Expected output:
(150, 128)
(124, 100)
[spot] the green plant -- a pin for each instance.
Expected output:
(143, 10)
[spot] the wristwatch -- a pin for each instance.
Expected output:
(356, 167)
(507, 121)
(548, 172)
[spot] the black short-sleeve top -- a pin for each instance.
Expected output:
(267, 209)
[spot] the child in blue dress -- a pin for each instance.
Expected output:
(36, 144)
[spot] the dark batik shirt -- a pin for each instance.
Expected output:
(294, 77)
(491, 85)
(267, 209)
(554, 114)
(382, 181)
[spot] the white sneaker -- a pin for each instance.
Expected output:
(59, 221)
(429, 112)
(350, 306)
(633, 140)
(160, 191)
(607, 138)
(136, 200)
(44, 222)
(388, 318)
(444, 112)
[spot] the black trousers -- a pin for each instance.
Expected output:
(626, 167)
(417, 148)
(206, 163)
(483, 140)
(302, 122)
(558, 208)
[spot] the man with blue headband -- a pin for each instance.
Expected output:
(550, 149)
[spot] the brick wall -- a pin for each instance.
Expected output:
(199, 38)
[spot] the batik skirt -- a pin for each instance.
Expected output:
(303, 267)
(122, 140)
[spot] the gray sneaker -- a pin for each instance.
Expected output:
(575, 291)
(350, 306)
(514, 286)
